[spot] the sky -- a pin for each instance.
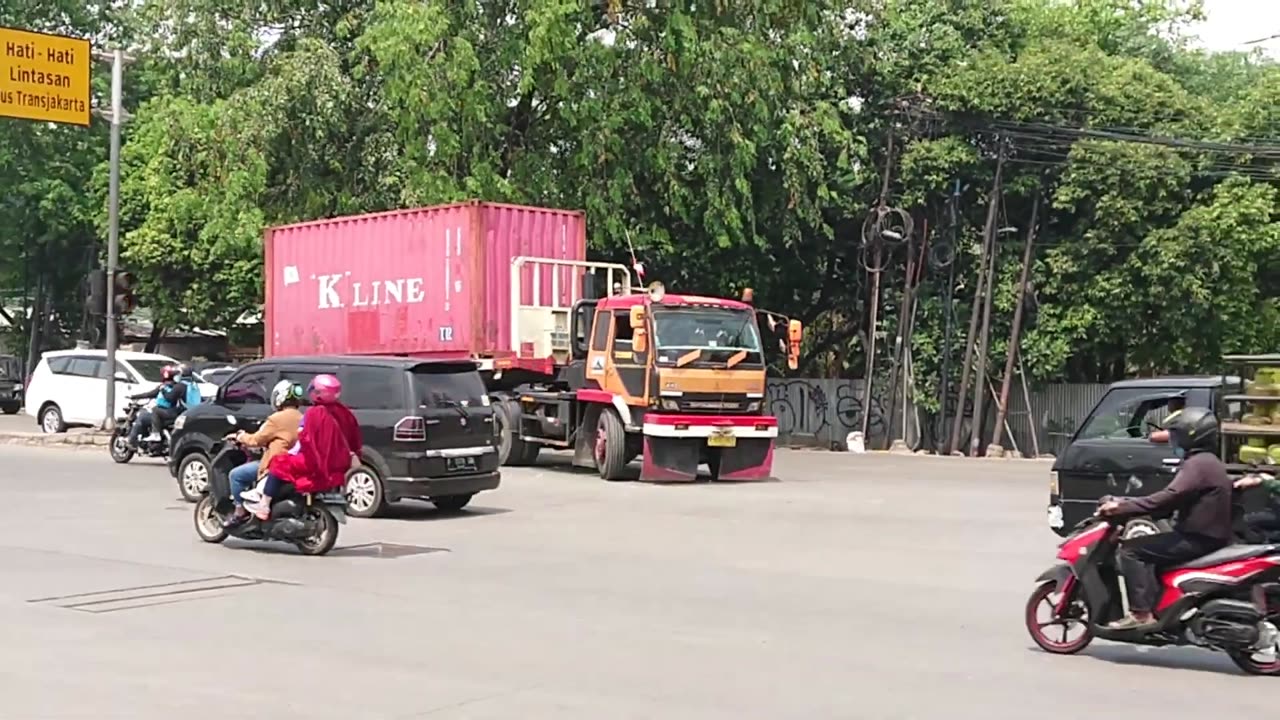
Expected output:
(1232, 23)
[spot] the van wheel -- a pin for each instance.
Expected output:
(611, 445)
(506, 429)
(451, 503)
(365, 495)
(193, 477)
(51, 419)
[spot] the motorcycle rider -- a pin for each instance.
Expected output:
(170, 395)
(1200, 493)
(329, 444)
(1264, 524)
(277, 434)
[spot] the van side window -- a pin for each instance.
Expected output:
(373, 388)
(60, 365)
(88, 367)
(249, 387)
(600, 334)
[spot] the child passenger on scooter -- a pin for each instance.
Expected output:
(329, 444)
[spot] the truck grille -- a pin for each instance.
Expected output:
(713, 403)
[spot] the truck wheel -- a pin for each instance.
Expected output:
(511, 449)
(611, 445)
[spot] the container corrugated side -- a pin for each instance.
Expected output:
(431, 281)
(399, 282)
(512, 231)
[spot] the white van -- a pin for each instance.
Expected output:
(69, 387)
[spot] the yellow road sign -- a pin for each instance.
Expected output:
(44, 77)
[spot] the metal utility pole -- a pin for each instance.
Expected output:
(117, 58)
(1002, 406)
(878, 250)
(948, 309)
(988, 241)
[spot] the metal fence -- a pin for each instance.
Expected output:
(822, 412)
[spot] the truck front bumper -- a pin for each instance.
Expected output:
(734, 447)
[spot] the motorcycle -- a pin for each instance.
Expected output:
(307, 520)
(150, 445)
(1227, 601)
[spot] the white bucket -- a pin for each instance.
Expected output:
(853, 441)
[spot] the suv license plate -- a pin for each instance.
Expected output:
(460, 464)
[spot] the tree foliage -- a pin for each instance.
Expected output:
(732, 144)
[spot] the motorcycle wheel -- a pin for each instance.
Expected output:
(324, 539)
(208, 522)
(1044, 597)
(121, 452)
(1246, 662)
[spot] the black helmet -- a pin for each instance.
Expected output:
(1193, 429)
(185, 371)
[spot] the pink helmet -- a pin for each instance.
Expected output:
(324, 389)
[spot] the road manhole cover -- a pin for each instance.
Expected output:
(385, 551)
(141, 596)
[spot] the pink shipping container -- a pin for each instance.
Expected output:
(430, 282)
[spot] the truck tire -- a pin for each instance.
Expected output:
(511, 449)
(611, 445)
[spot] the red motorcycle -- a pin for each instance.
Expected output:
(1228, 600)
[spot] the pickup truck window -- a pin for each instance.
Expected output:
(1132, 412)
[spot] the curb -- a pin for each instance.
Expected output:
(921, 455)
(73, 440)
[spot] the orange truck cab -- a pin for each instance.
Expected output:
(677, 380)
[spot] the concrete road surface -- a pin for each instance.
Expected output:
(860, 587)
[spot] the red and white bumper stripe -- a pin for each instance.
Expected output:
(702, 426)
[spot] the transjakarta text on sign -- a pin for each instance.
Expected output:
(45, 77)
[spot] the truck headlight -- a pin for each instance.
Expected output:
(670, 405)
(753, 406)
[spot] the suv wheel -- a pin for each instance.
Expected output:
(365, 495)
(11, 408)
(51, 419)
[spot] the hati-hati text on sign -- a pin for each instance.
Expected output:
(44, 77)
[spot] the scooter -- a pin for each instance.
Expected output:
(1227, 601)
(149, 445)
(307, 520)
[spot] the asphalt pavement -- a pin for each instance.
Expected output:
(858, 587)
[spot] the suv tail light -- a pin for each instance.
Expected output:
(410, 429)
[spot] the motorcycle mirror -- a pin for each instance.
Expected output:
(231, 420)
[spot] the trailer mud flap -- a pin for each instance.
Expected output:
(668, 459)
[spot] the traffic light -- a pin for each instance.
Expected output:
(124, 301)
(97, 302)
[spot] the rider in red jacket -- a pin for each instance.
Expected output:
(329, 445)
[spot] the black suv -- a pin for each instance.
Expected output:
(10, 385)
(427, 427)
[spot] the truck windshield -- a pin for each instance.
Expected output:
(448, 385)
(722, 331)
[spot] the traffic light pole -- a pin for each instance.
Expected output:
(117, 58)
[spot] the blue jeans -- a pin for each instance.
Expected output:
(242, 478)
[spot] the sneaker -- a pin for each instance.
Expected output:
(1129, 622)
(235, 520)
(261, 508)
(252, 495)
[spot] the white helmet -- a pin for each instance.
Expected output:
(284, 391)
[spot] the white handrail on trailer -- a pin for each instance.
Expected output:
(538, 264)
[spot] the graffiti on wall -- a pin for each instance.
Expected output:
(821, 411)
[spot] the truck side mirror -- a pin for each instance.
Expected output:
(639, 340)
(795, 333)
(637, 317)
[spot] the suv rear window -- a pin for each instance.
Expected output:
(436, 385)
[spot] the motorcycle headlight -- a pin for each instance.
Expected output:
(182, 420)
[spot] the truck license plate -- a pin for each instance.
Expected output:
(460, 464)
(722, 439)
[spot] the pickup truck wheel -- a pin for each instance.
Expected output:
(366, 497)
(611, 445)
(11, 408)
(512, 450)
